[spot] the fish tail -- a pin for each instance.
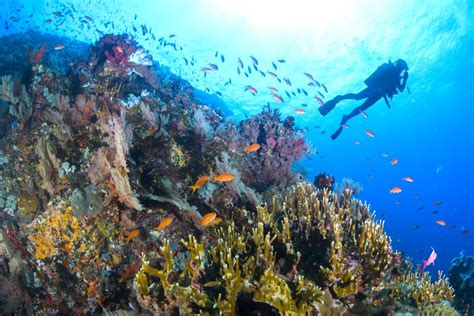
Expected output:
(193, 187)
(425, 264)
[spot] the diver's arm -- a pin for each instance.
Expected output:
(401, 86)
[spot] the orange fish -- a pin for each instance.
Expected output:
(369, 133)
(59, 47)
(395, 190)
(199, 183)
(394, 161)
(217, 220)
(39, 55)
(408, 179)
(224, 177)
(251, 89)
(207, 219)
(441, 222)
(253, 147)
(277, 97)
(133, 234)
(128, 273)
(91, 288)
(164, 223)
(364, 114)
(300, 111)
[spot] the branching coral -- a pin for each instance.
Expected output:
(419, 289)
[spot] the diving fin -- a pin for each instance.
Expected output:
(336, 133)
(327, 107)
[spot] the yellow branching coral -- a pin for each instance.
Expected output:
(419, 289)
(59, 230)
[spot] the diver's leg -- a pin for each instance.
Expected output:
(371, 100)
(331, 104)
(354, 96)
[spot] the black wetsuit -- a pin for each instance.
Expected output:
(384, 82)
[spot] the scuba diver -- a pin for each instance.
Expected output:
(384, 82)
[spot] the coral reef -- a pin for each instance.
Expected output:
(461, 276)
(95, 156)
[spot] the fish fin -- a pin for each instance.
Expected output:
(194, 188)
(425, 264)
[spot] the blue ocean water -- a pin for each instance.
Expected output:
(340, 43)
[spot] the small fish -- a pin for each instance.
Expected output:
(252, 147)
(298, 90)
(416, 226)
(254, 60)
(308, 76)
(59, 47)
(206, 69)
(420, 208)
(384, 155)
(273, 89)
(395, 190)
(39, 55)
(274, 66)
(199, 183)
(408, 90)
(394, 161)
(214, 66)
(238, 71)
(319, 101)
(208, 218)
(441, 222)
(274, 75)
(364, 115)
(321, 95)
(300, 111)
(437, 202)
(287, 81)
(356, 143)
(222, 58)
(251, 89)
(281, 61)
(216, 54)
(324, 87)
(304, 91)
(287, 94)
(91, 288)
(249, 69)
(172, 35)
(277, 97)
(345, 126)
(408, 179)
(164, 223)
(241, 64)
(431, 259)
(224, 177)
(255, 67)
(127, 273)
(133, 234)
(311, 84)
(317, 84)
(369, 133)
(304, 104)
